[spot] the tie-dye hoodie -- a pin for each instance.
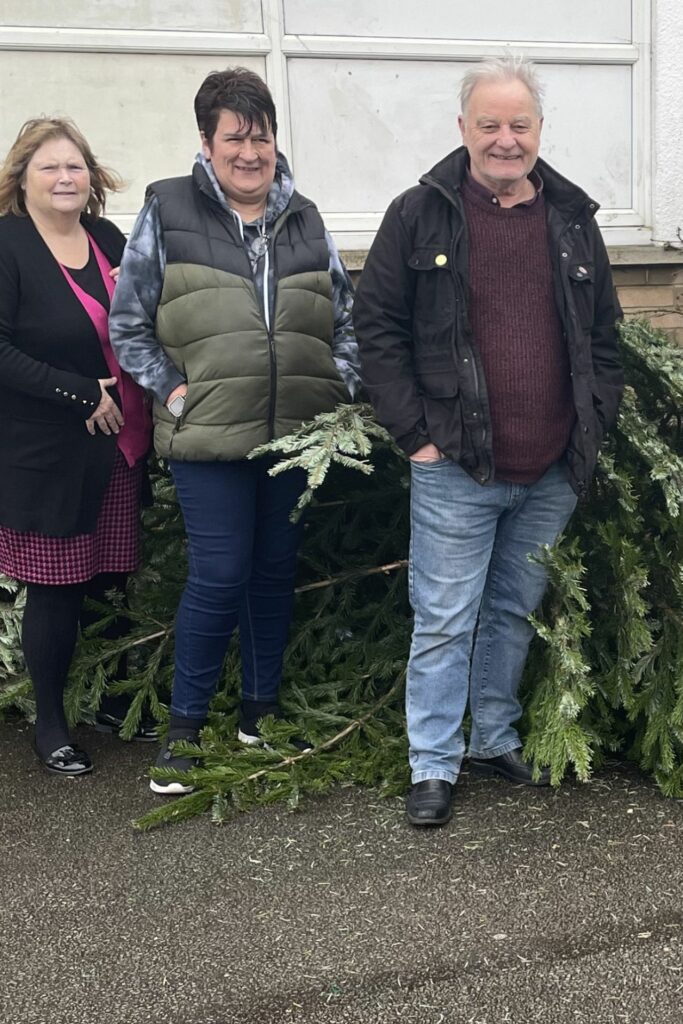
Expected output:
(138, 290)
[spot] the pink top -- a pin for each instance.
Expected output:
(136, 433)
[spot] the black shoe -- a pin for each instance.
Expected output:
(147, 730)
(248, 732)
(67, 760)
(510, 766)
(429, 802)
(180, 762)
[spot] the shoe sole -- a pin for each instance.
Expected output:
(443, 820)
(67, 774)
(485, 772)
(170, 789)
(113, 731)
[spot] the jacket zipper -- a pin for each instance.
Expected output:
(265, 312)
(273, 386)
(564, 243)
(272, 354)
(178, 421)
(461, 305)
(172, 439)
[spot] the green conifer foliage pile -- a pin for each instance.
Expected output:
(605, 674)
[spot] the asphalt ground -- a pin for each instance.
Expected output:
(530, 906)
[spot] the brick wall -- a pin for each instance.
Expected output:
(654, 292)
(649, 282)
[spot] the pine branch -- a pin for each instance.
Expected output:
(231, 780)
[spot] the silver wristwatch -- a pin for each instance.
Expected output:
(176, 406)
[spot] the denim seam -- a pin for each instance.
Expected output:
(255, 695)
(188, 711)
(504, 748)
(492, 591)
(411, 592)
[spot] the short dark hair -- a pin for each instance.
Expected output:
(237, 89)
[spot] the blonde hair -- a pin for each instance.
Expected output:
(32, 134)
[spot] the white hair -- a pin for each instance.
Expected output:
(503, 69)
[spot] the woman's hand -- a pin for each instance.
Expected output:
(107, 416)
(114, 273)
(178, 392)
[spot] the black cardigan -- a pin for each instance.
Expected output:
(53, 473)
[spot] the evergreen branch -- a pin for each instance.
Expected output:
(651, 354)
(228, 779)
(665, 466)
(357, 723)
(343, 436)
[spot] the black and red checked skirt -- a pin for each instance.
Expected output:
(114, 546)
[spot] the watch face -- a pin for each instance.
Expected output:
(177, 405)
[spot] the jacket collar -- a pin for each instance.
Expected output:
(568, 199)
(281, 193)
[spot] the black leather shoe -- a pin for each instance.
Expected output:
(429, 802)
(147, 731)
(510, 766)
(67, 760)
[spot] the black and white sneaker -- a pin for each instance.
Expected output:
(180, 762)
(251, 711)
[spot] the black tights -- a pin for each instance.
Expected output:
(49, 632)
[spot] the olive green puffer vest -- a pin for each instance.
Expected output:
(246, 385)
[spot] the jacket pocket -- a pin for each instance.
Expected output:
(434, 298)
(435, 374)
(437, 384)
(599, 413)
(581, 279)
(177, 421)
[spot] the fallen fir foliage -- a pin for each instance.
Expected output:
(605, 674)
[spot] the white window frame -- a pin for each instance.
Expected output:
(356, 228)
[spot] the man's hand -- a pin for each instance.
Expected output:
(427, 453)
(114, 273)
(107, 416)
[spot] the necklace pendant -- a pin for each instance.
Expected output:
(259, 246)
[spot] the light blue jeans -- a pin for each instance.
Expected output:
(472, 588)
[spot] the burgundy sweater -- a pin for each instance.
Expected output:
(518, 333)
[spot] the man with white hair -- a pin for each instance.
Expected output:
(485, 318)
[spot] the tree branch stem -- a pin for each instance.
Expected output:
(331, 580)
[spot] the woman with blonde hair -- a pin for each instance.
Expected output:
(74, 429)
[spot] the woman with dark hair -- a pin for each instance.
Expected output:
(234, 309)
(74, 429)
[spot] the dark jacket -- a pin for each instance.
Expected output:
(419, 359)
(53, 473)
(250, 379)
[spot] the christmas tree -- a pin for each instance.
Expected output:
(605, 673)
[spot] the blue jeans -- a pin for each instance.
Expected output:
(472, 588)
(242, 552)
